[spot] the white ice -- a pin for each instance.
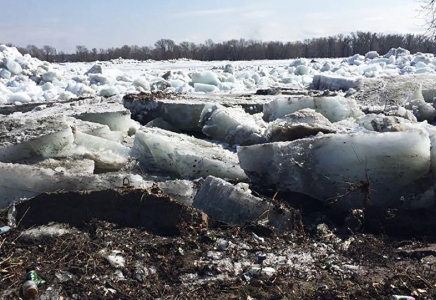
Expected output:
(335, 108)
(335, 167)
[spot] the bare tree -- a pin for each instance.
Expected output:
(125, 51)
(82, 53)
(165, 48)
(428, 9)
(34, 51)
(94, 54)
(62, 56)
(240, 49)
(135, 52)
(49, 52)
(102, 53)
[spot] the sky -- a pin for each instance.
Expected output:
(113, 23)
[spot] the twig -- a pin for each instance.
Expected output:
(25, 213)
(269, 207)
(270, 203)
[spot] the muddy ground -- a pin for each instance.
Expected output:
(181, 254)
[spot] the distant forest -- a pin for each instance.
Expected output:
(327, 47)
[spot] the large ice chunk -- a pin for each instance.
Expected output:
(116, 119)
(51, 76)
(184, 111)
(299, 62)
(371, 55)
(333, 108)
(394, 111)
(96, 69)
(80, 89)
(183, 114)
(183, 191)
(67, 165)
(207, 77)
(232, 125)
(432, 134)
(12, 66)
(108, 91)
(95, 129)
(20, 97)
(161, 123)
(107, 155)
(23, 181)
(206, 88)
(27, 137)
(184, 156)
(141, 84)
(395, 90)
(114, 115)
(300, 124)
(232, 205)
(422, 110)
(343, 168)
(397, 52)
(334, 83)
(99, 79)
(5, 74)
(302, 70)
(382, 123)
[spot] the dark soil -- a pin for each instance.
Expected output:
(150, 96)
(201, 259)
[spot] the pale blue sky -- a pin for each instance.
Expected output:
(105, 23)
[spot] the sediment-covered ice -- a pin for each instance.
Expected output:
(337, 167)
(395, 90)
(95, 110)
(394, 111)
(184, 156)
(24, 181)
(300, 124)
(334, 83)
(387, 123)
(22, 138)
(182, 114)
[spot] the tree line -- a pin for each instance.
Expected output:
(325, 47)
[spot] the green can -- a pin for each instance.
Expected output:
(33, 276)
